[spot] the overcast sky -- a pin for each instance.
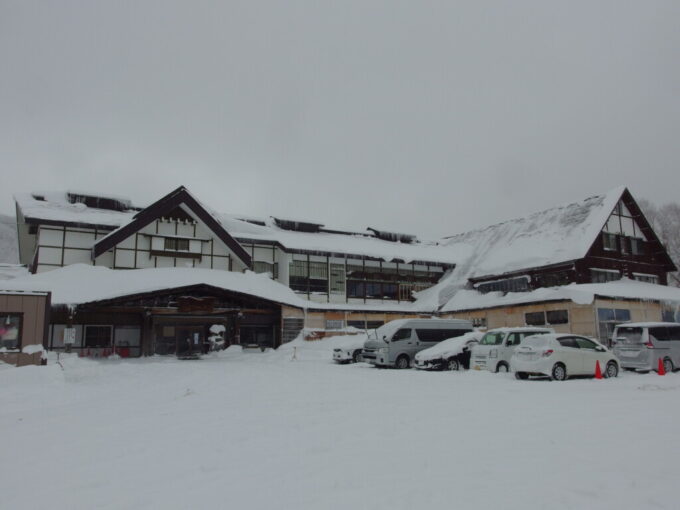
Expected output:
(425, 117)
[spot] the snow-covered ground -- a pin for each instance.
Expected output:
(261, 430)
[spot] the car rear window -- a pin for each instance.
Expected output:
(628, 335)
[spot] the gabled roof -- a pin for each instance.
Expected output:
(557, 235)
(161, 208)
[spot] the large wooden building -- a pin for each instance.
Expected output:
(190, 272)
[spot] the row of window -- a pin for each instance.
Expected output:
(549, 318)
(623, 244)
(610, 275)
(340, 324)
(315, 277)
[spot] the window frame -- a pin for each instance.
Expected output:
(85, 340)
(20, 332)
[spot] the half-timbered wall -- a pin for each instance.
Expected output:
(62, 246)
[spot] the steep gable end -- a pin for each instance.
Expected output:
(178, 205)
(628, 234)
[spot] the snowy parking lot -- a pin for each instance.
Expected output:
(264, 430)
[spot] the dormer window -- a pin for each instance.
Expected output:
(176, 244)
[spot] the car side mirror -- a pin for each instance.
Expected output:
(599, 348)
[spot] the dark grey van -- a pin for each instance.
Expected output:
(396, 343)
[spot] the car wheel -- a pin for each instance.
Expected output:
(502, 367)
(453, 364)
(523, 376)
(559, 372)
(612, 369)
(668, 366)
(356, 357)
(403, 362)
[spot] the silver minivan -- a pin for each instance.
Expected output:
(494, 350)
(396, 343)
(640, 345)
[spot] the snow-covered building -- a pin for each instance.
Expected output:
(537, 269)
(189, 268)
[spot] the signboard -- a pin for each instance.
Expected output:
(69, 335)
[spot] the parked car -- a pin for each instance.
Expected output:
(348, 349)
(494, 350)
(396, 343)
(451, 354)
(560, 356)
(641, 345)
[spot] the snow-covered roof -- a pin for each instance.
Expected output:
(11, 271)
(57, 208)
(553, 236)
(583, 293)
(81, 283)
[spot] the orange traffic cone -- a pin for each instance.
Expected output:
(598, 372)
(661, 370)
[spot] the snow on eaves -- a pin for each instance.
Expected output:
(584, 293)
(81, 283)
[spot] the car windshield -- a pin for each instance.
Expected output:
(492, 339)
(628, 336)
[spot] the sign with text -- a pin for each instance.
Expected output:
(69, 335)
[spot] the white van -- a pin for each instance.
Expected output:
(640, 345)
(494, 350)
(396, 343)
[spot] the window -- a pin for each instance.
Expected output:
(569, 341)
(649, 278)
(534, 318)
(312, 277)
(266, 267)
(337, 279)
(609, 241)
(355, 289)
(98, 336)
(335, 324)
(402, 334)
(492, 339)
(479, 322)
(520, 284)
(10, 330)
(357, 324)
(514, 339)
(608, 318)
(665, 333)
(585, 343)
(176, 244)
(557, 316)
(637, 246)
(374, 324)
(604, 275)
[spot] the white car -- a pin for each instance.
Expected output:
(451, 354)
(348, 348)
(560, 356)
